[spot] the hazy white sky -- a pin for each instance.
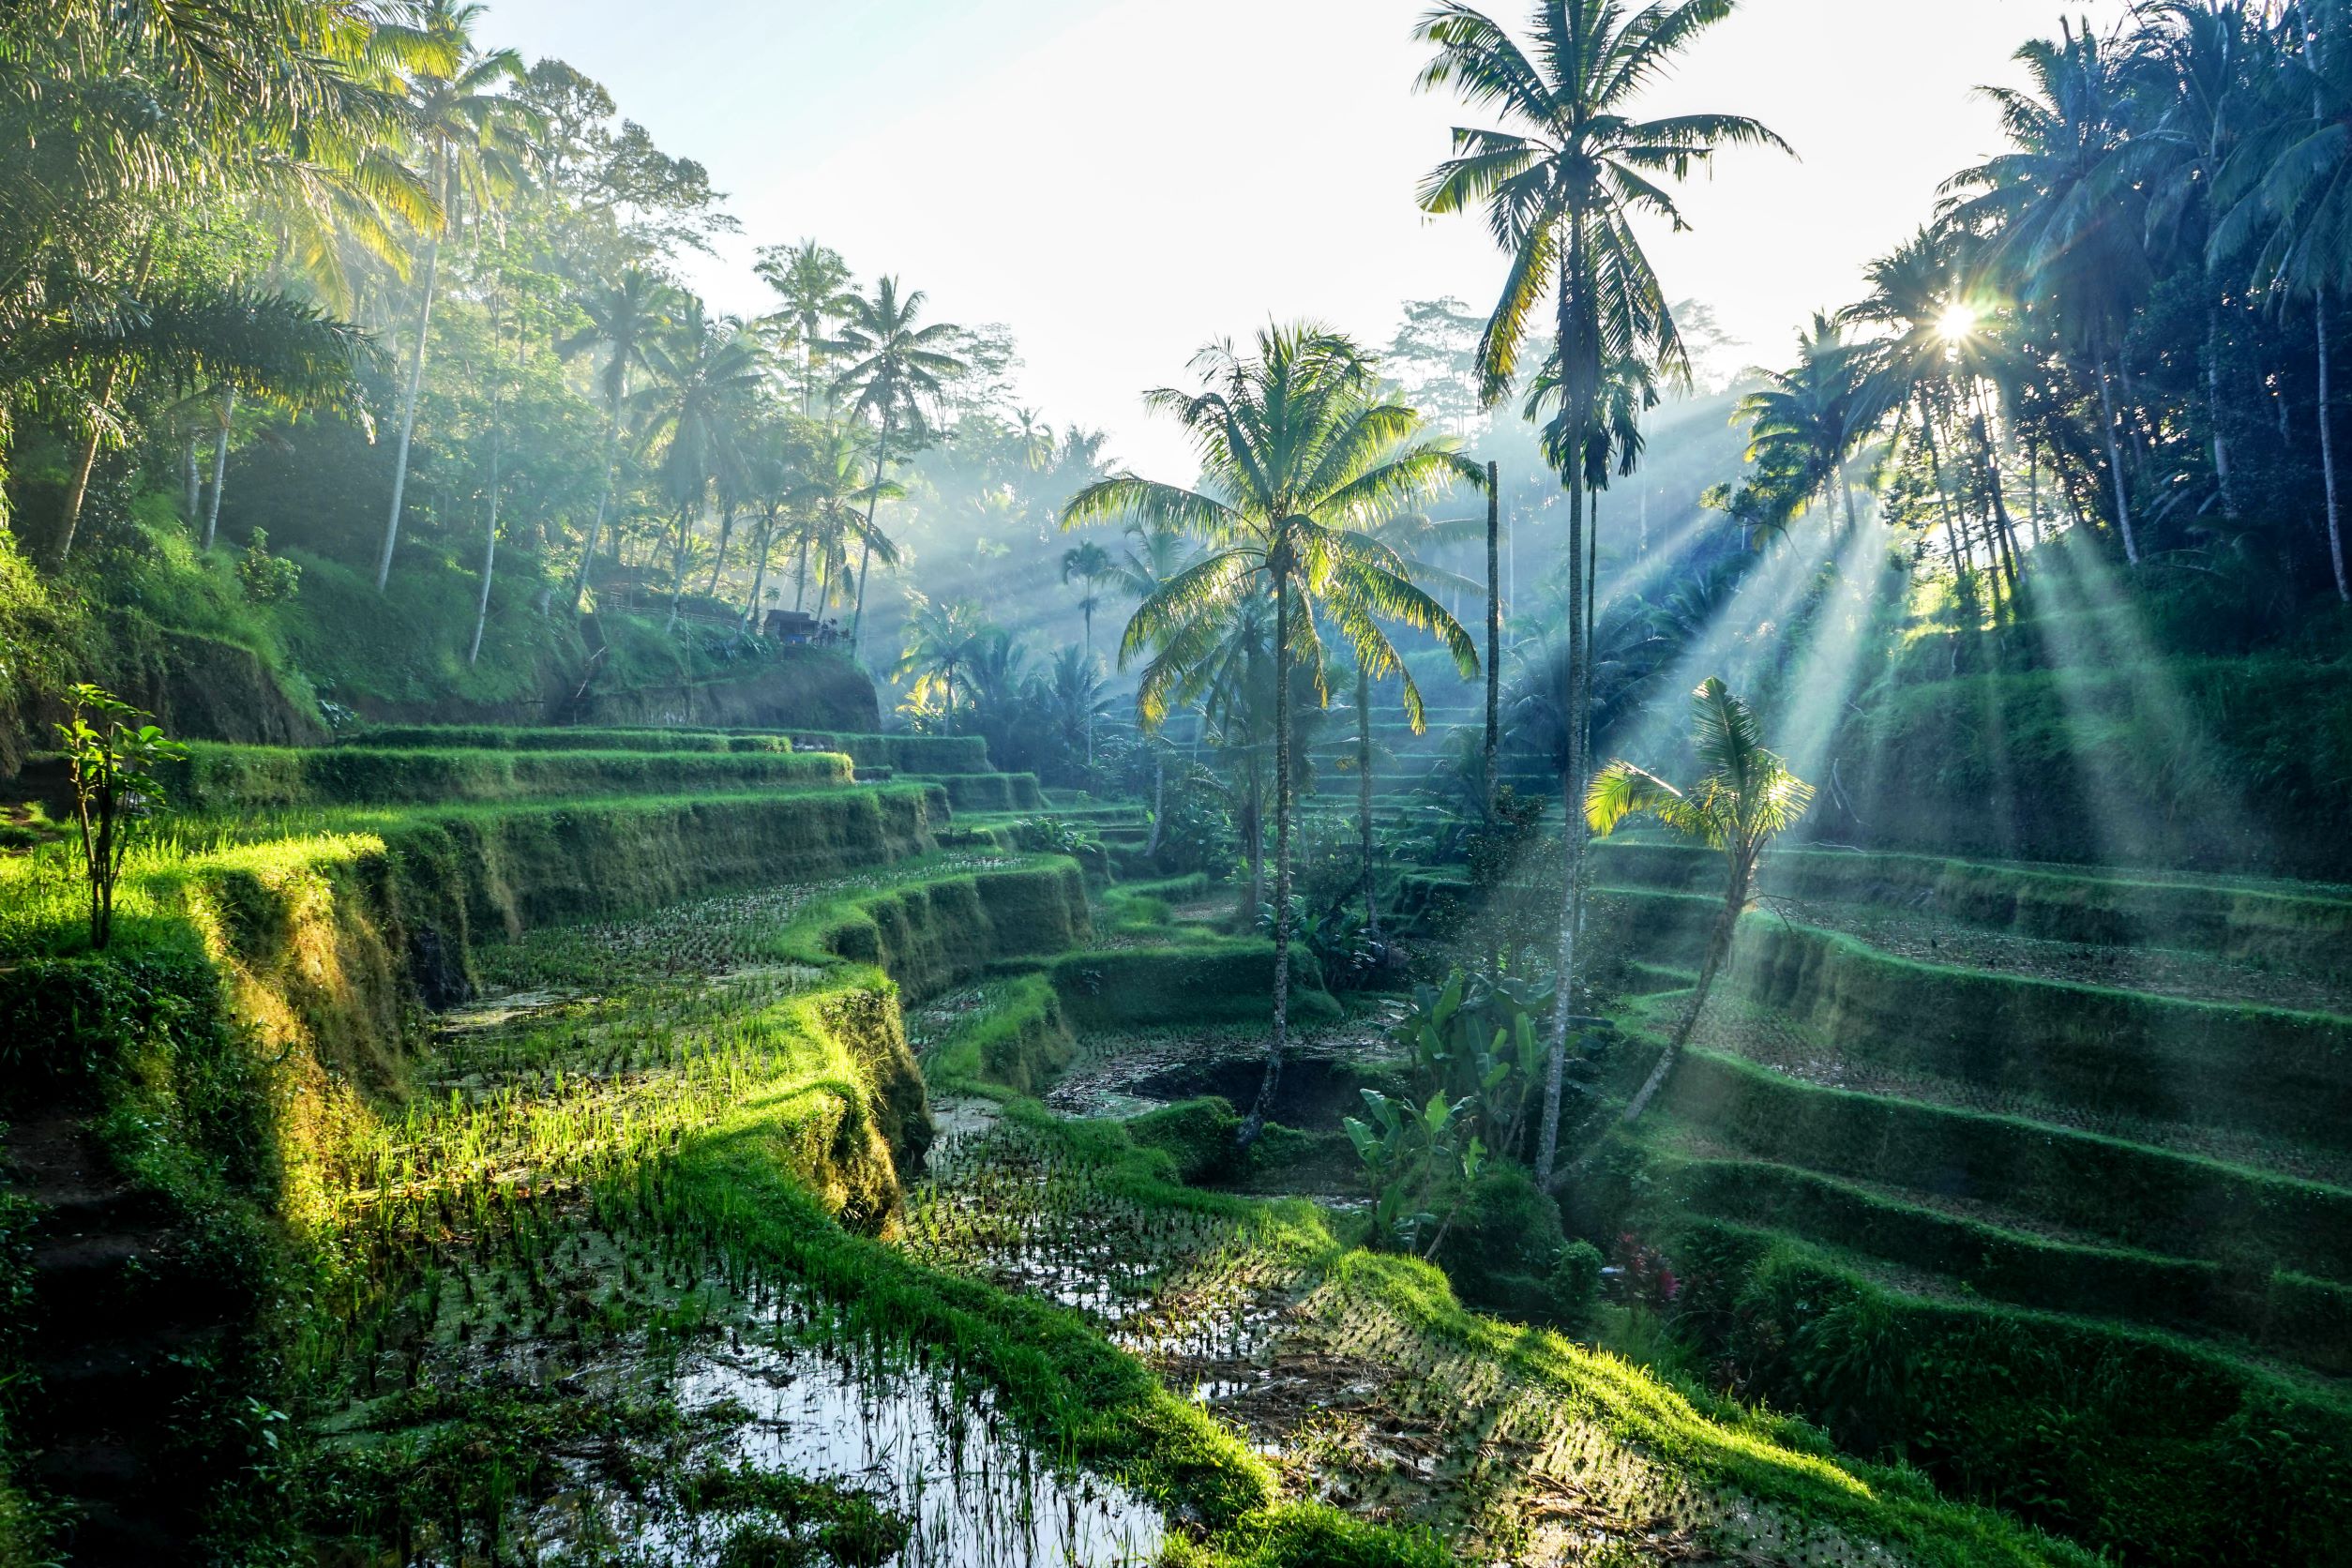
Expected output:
(1123, 180)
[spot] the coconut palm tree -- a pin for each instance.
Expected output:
(813, 283)
(1743, 798)
(832, 502)
(2065, 213)
(625, 317)
(1807, 420)
(1560, 186)
(944, 637)
(1153, 556)
(708, 375)
(896, 365)
(1300, 458)
(82, 350)
(2287, 190)
(474, 139)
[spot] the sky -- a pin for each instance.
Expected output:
(1124, 181)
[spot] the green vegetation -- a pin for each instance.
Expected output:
(504, 1057)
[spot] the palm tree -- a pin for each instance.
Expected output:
(707, 377)
(1914, 291)
(1806, 421)
(473, 138)
(832, 503)
(1091, 565)
(1301, 457)
(1745, 796)
(813, 283)
(942, 641)
(895, 366)
(1561, 188)
(2066, 213)
(1153, 556)
(624, 318)
(2289, 190)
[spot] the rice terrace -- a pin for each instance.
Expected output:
(1374, 784)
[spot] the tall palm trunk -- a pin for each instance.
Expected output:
(2328, 447)
(220, 465)
(866, 544)
(1263, 1105)
(2115, 467)
(718, 562)
(1159, 796)
(1718, 948)
(2214, 410)
(677, 566)
(1576, 369)
(760, 572)
(489, 546)
(603, 497)
(800, 584)
(1494, 626)
(407, 408)
(86, 461)
(1364, 793)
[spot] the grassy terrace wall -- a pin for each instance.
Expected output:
(1220, 982)
(2291, 1315)
(2125, 1193)
(485, 737)
(2263, 1068)
(243, 778)
(2252, 921)
(932, 756)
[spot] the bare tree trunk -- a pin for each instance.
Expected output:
(489, 548)
(1718, 948)
(78, 492)
(677, 568)
(408, 413)
(1160, 794)
(192, 485)
(1263, 1106)
(604, 496)
(219, 466)
(2328, 448)
(718, 562)
(2115, 468)
(1571, 832)
(2214, 410)
(1494, 626)
(760, 573)
(1364, 793)
(865, 552)
(1576, 367)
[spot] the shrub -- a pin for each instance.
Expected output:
(266, 578)
(1575, 1281)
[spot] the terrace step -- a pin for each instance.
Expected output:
(2288, 1315)
(2085, 1184)
(115, 1318)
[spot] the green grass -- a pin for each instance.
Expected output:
(2294, 1316)
(2135, 1196)
(2165, 1058)
(220, 778)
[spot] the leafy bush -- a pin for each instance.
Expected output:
(1574, 1282)
(266, 578)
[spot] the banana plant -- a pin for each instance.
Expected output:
(1412, 1157)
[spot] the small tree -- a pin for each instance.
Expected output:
(109, 758)
(1745, 796)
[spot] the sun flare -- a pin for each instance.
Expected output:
(1958, 323)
